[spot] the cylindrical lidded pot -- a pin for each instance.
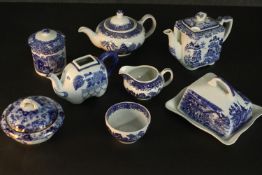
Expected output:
(48, 51)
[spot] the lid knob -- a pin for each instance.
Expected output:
(119, 13)
(29, 105)
(200, 16)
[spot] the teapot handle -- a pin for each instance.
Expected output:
(227, 22)
(163, 72)
(110, 54)
(153, 27)
(218, 82)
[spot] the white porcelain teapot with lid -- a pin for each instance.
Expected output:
(84, 77)
(197, 41)
(120, 33)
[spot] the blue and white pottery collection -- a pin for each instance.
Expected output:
(120, 33)
(32, 120)
(144, 82)
(48, 51)
(209, 103)
(127, 121)
(197, 41)
(84, 77)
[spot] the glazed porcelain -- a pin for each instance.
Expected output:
(84, 77)
(197, 41)
(173, 103)
(120, 33)
(216, 105)
(144, 82)
(127, 121)
(32, 120)
(48, 51)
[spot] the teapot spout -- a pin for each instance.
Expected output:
(92, 35)
(175, 46)
(57, 85)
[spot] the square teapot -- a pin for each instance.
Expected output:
(197, 41)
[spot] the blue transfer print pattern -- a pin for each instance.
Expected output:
(123, 49)
(172, 51)
(145, 89)
(208, 23)
(240, 115)
(194, 57)
(130, 138)
(122, 35)
(94, 83)
(205, 113)
(211, 116)
(198, 35)
(114, 27)
(214, 49)
(131, 106)
(47, 47)
(38, 125)
(47, 64)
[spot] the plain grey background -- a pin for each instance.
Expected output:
(176, 2)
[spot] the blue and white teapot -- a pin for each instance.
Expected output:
(84, 77)
(120, 33)
(197, 41)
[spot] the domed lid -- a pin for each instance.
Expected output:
(31, 114)
(47, 41)
(200, 22)
(120, 22)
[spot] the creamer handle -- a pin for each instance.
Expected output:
(163, 72)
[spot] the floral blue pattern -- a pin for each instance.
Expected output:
(122, 35)
(95, 83)
(30, 127)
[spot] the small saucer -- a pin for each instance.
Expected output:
(256, 113)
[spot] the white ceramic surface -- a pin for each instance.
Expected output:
(120, 33)
(127, 121)
(173, 103)
(144, 81)
(83, 78)
(197, 41)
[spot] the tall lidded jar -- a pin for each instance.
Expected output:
(48, 51)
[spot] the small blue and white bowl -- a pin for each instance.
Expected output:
(32, 120)
(127, 121)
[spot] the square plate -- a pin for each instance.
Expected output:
(256, 113)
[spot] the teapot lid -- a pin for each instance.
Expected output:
(31, 114)
(120, 22)
(47, 41)
(200, 22)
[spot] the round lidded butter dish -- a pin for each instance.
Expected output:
(32, 120)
